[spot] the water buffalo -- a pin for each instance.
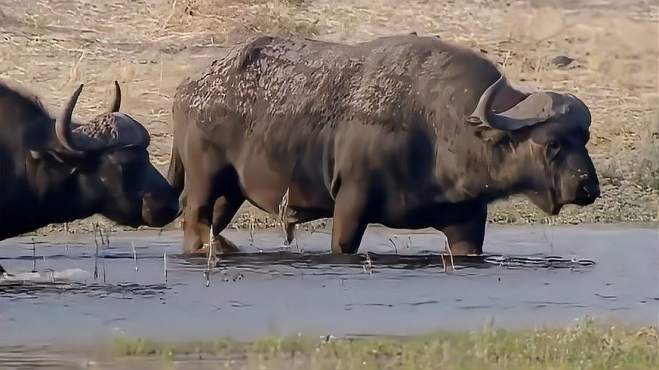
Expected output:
(57, 171)
(405, 131)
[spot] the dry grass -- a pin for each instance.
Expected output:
(647, 166)
(151, 45)
(235, 19)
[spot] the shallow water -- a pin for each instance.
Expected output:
(272, 289)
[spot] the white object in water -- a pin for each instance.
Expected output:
(70, 275)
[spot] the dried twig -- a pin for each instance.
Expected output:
(170, 16)
(441, 255)
(283, 210)
(137, 267)
(252, 226)
(368, 265)
(73, 73)
(108, 232)
(394, 245)
(95, 255)
(212, 258)
(34, 256)
(164, 264)
(450, 253)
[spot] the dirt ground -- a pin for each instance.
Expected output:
(150, 46)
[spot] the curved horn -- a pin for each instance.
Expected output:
(535, 108)
(63, 124)
(116, 103)
(483, 110)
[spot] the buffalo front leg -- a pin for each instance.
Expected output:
(349, 220)
(224, 209)
(197, 213)
(196, 227)
(466, 237)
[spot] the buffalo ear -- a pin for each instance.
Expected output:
(50, 170)
(491, 136)
(41, 155)
(72, 164)
(57, 156)
(487, 133)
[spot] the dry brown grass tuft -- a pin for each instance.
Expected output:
(233, 19)
(647, 165)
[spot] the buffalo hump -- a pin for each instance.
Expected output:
(382, 82)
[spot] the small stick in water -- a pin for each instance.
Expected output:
(251, 231)
(137, 268)
(99, 231)
(207, 277)
(108, 232)
(164, 262)
(34, 256)
(368, 265)
(394, 245)
(106, 242)
(95, 255)
(283, 211)
(441, 255)
(210, 263)
(450, 253)
(51, 274)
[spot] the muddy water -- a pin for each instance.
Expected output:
(272, 289)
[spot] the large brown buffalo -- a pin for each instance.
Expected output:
(57, 171)
(405, 131)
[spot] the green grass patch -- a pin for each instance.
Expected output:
(586, 345)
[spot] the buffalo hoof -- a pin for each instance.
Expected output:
(223, 245)
(465, 249)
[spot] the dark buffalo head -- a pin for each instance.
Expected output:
(547, 133)
(108, 161)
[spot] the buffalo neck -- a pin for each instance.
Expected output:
(43, 202)
(26, 213)
(482, 171)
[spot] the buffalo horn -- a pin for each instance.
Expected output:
(63, 124)
(116, 103)
(535, 108)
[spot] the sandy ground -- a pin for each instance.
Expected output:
(150, 46)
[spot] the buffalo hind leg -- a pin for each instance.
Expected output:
(225, 207)
(349, 220)
(467, 237)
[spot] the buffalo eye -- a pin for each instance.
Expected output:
(553, 148)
